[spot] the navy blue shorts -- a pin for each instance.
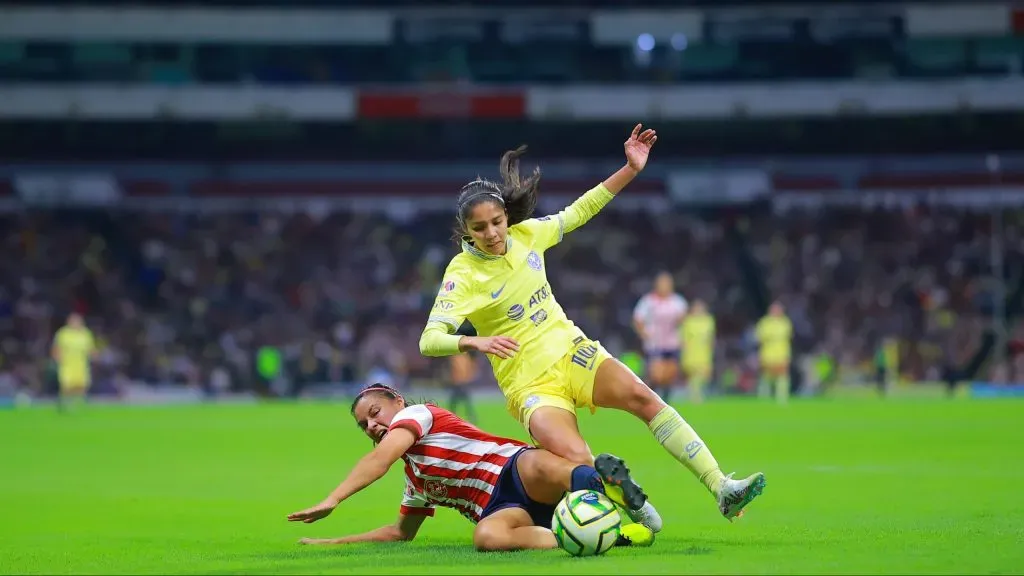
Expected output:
(510, 493)
(663, 354)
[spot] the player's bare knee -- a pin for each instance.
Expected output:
(577, 454)
(487, 538)
(641, 401)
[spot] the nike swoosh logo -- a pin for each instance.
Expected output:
(498, 293)
(692, 453)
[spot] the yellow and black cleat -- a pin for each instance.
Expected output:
(635, 535)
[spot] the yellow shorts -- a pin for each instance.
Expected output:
(568, 385)
(73, 380)
(697, 368)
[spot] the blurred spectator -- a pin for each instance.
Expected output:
(190, 300)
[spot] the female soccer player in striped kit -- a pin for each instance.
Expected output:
(656, 319)
(508, 489)
(545, 365)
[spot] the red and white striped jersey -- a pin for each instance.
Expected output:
(661, 317)
(452, 463)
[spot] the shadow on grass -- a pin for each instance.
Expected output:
(385, 558)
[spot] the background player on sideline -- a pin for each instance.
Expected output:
(73, 348)
(698, 336)
(656, 319)
(775, 334)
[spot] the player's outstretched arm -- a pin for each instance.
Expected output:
(368, 470)
(404, 529)
(637, 148)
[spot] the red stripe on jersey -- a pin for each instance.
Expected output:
(416, 482)
(471, 494)
(409, 424)
(410, 511)
(456, 456)
(473, 483)
(466, 474)
(445, 421)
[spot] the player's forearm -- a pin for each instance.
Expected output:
(620, 179)
(367, 471)
(388, 533)
(436, 341)
(638, 327)
(584, 208)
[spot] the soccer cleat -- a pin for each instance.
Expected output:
(734, 495)
(622, 490)
(635, 535)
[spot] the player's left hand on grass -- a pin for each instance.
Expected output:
(638, 147)
(314, 541)
(312, 514)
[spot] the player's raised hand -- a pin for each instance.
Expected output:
(501, 346)
(312, 514)
(638, 147)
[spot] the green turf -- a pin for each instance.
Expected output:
(908, 486)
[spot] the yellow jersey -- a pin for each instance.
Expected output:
(774, 333)
(75, 346)
(509, 295)
(698, 335)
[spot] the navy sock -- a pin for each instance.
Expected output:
(586, 478)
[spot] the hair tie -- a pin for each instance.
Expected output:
(461, 205)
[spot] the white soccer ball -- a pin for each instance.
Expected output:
(586, 523)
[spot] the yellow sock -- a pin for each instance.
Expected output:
(682, 442)
(696, 389)
(782, 389)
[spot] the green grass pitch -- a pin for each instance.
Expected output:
(902, 486)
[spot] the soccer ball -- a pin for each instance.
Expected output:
(586, 523)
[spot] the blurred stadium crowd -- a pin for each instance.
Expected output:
(133, 187)
(193, 299)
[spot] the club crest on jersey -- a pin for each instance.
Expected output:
(533, 261)
(447, 287)
(435, 489)
(516, 312)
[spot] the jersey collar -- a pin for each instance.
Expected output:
(467, 247)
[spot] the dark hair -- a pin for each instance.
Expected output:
(385, 391)
(517, 196)
(377, 390)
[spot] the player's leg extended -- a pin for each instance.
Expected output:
(781, 375)
(657, 375)
(696, 382)
(547, 477)
(71, 391)
(765, 381)
(470, 409)
(555, 429)
(616, 387)
(670, 375)
(511, 529)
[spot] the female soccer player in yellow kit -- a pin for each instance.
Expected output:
(545, 365)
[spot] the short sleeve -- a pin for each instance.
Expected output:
(684, 305)
(546, 231)
(417, 419)
(414, 502)
(454, 300)
(641, 309)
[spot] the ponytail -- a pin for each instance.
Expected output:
(520, 195)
